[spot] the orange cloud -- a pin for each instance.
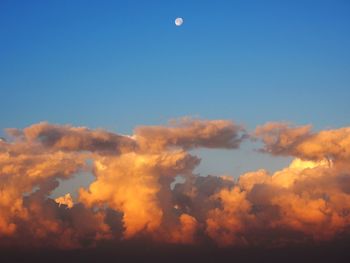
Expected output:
(65, 200)
(282, 139)
(130, 184)
(136, 194)
(191, 133)
(70, 138)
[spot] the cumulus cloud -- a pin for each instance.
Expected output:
(191, 133)
(283, 139)
(70, 138)
(66, 200)
(136, 194)
(130, 183)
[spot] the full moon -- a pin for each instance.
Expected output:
(179, 21)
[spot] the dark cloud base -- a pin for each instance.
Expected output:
(140, 252)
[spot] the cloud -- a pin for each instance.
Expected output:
(130, 184)
(66, 200)
(70, 138)
(22, 171)
(283, 139)
(191, 133)
(136, 196)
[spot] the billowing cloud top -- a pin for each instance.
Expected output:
(136, 193)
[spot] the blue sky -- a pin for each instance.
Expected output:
(119, 64)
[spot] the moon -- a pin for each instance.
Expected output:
(179, 21)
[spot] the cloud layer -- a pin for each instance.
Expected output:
(135, 194)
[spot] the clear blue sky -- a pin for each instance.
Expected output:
(118, 64)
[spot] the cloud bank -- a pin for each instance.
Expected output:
(134, 197)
